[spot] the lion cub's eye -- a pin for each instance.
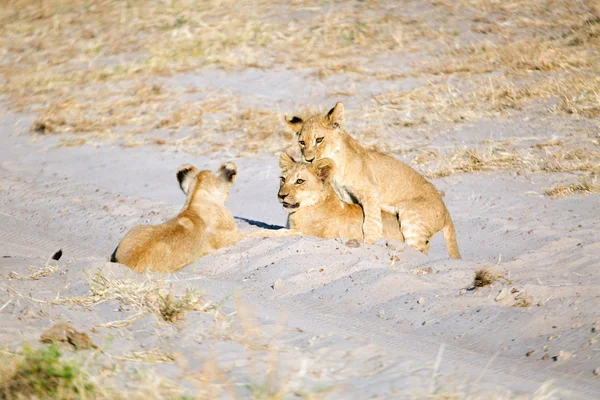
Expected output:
(281, 180)
(319, 140)
(302, 143)
(299, 181)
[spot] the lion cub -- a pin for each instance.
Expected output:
(377, 182)
(314, 207)
(203, 225)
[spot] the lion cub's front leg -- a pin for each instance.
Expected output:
(372, 224)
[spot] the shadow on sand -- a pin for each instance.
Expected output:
(260, 224)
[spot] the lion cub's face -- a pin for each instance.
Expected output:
(206, 185)
(302, 184)
(319, 136)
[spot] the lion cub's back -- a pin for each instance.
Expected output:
(161, 248)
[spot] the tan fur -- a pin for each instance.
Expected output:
(377, 182)
(203, 225)
(316, 210)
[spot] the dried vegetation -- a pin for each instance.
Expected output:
(474, 59)
(587, 185)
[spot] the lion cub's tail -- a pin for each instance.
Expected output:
(450, 238)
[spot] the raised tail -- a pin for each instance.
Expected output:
(450, 238)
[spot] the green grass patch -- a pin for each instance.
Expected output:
(43, 374)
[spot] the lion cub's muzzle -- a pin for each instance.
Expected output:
(288, 206)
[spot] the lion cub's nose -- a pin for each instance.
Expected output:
(310, 161)
(282, 196)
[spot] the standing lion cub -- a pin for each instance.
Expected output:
(377, 182)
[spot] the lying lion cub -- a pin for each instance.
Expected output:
(314, 207)
(377, 182)
(203, 225)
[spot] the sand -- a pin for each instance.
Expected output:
(362, 322)
(303, 317)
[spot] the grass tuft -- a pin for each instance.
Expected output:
(173, 309)
(42, 374)
(147, 297)
(484, 277)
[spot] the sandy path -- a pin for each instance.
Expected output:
(357, 324)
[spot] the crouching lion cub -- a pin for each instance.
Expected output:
(316, 210)
(377, 182)
(203, 225)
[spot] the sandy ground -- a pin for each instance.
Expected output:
(304, 317)
(339, 317)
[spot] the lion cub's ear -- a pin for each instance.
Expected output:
(228, 172)
(295, 123)
(185, 176)
(285, 161)
(324, 168)
(336, 116)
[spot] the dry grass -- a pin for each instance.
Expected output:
(523, 301)
(107, 82)
(502, 155)
(478, 97)
(154, 356)
(584, 187)
(45, 270)
(149, 296)
(485, 277)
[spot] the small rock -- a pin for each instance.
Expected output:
(421, 300)
(545, 357)
(396, 245)
(353, 243)
(563, 355)
(65, 333)
(597, 371)
(529, 353)
(502, 294)
(514, 290)
(596, 327)
(277, 284)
